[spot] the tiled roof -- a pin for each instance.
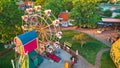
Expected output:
(64, 16)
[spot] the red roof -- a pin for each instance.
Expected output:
(111, 20)
(64, 16)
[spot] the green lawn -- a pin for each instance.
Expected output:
(106, 61)
(89, 50)
(5, 61)
(1, 47)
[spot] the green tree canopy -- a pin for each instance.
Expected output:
(118, 16)
(10, 20)
(55, 5)
(85, 12)
(107, 13)
(40, 2)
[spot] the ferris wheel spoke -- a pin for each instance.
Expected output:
(43, 22)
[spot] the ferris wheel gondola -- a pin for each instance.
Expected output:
(41, 21)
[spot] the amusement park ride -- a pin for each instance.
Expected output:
(40, 38)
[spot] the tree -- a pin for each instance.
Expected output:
(104, 1)
(107, 13)
(40, 2)
(55, 5)
(68, 4)
(10, 20)
(82, 38)
(118, 16)
(85, 12)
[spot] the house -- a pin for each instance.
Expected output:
(64, 19)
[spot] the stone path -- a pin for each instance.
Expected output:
(82, 63)
(99, 36)
(93, 33)
(98, 57)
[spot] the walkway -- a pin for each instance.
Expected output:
(51, 64)
(93, 33)
(99, 36)
(82, 63)
(98, 57)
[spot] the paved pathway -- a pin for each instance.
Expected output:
(99, 36)
(50, 64)
(98, 57)
(93, 33)
(82, 63)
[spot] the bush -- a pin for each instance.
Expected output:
(82, 38)
(118, 16)
(108, 13)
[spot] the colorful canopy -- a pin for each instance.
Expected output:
(27, 37)
(26, 42)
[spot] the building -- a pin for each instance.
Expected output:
(64, 19)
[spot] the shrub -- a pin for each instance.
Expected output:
(82, 38)
(108, 13)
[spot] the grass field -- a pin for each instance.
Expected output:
(5, 61)
(106, 61)
(89, 50)
(1, 47)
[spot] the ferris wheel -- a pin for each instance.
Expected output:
(48, 30)
(43, 22)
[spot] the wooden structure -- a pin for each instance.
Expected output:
(115, 53)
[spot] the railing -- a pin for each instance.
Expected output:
(67, 49)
